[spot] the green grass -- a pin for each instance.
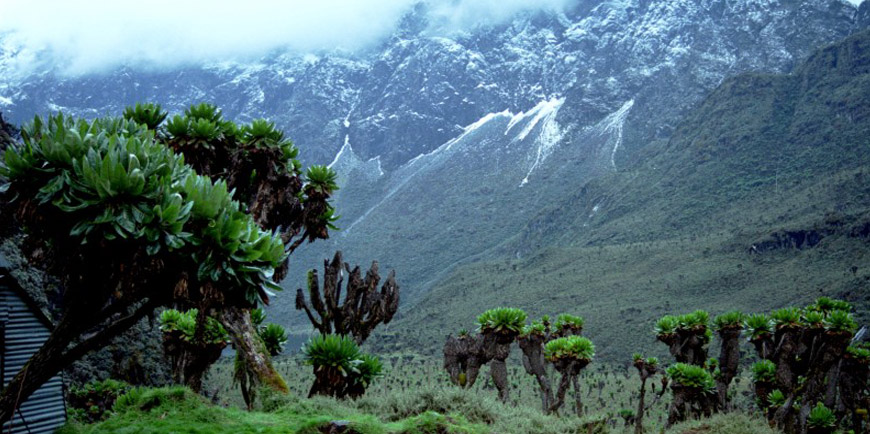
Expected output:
(426, 409)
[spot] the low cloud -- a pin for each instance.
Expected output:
(79, 37)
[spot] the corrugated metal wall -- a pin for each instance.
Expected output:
(22, 334)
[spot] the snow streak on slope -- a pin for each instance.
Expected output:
(550, 134)
(613, 124)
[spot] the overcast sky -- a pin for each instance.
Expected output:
(88, 36)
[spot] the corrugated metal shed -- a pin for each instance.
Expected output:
(23, 329)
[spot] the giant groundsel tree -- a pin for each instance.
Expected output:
(127, 225)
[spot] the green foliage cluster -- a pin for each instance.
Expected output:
(274, 338)
(729, 320)
(764, 370)
(93, 401)
(758, 325)
(502, 320)
(829, 314)
(821, 417)
(185, 323)
(569, 347)
(342, 354)
(786, 317)
(651, 361)
(535, 328)
(693, 376)
(776, 398)
(860, 353)
(112, 180)
(696, 322)
(568, 322)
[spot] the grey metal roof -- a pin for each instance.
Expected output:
(23, 331)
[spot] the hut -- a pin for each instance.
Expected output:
(23, 329)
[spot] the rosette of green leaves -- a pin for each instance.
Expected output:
(776, 398)
(728, 320)
(764, 371)
(859, 353)
(758, 325)
(332, 352)
(502, 320)
(569, 347)
(667, 325)
(787, 317)
(840, 321)
(568, 322)
(150, 115)
(535, 328)
(169, 320)
(813, 319)
(697, 320)
(693, 376)
(826, 304)
(821, 417)
(274, 337)
(369, 369)
(258, 316)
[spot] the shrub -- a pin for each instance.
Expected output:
(502, 319)
(93, 401)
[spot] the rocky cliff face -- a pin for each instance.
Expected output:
(450, 144)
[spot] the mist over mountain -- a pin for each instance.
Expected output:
(470, 144)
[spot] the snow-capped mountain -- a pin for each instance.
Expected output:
(447, 144)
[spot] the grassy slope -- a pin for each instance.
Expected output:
(761, 155)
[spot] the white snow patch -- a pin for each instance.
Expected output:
(4, 101)
(549, 136)
(613, 124)
(377, 161)
(345, 147)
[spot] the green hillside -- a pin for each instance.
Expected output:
(761, 199)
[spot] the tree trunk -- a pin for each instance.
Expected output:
(564, 384)
(729, 360)
(244, 337)
(578, 398)
(638, 421)
(498, 369)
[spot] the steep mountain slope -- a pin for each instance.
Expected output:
(449, 144)
(759, 200)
